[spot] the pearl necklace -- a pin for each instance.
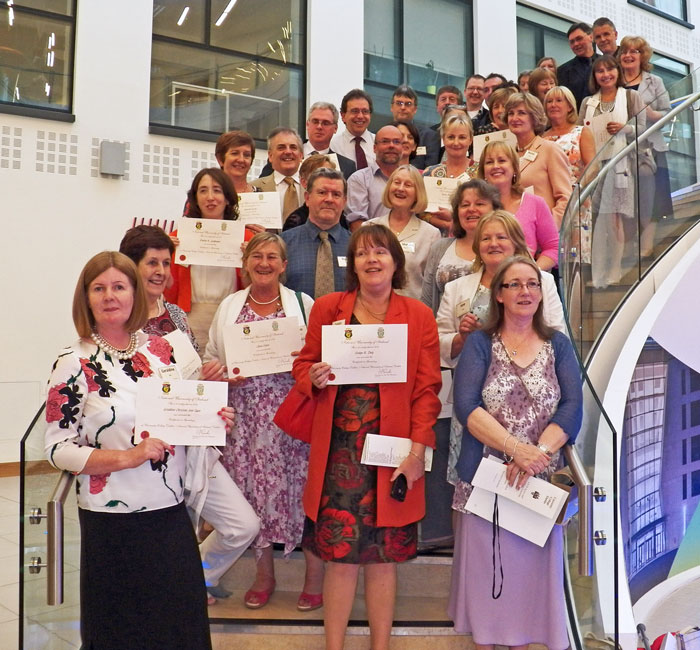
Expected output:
(259, 302)
(526, 147)
(109, 349)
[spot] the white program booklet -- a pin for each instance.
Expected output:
(390, 451)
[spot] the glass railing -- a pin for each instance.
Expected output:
(49, 578)
(635, 200)
(633, 204)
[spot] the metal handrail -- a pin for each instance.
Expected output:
(54, 585)
(586, 191)
(585, 510)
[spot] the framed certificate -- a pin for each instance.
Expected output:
(261, 347)
(212, 242)
(365, 354)
(181, 411)
(262, 208)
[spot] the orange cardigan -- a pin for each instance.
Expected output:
(180, 290)
(407, 409)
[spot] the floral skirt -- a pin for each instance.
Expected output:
(345, 530)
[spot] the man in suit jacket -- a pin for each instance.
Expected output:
(575, 72)
(284, 152)
(404, 106)
(321, 126)
(430, 137)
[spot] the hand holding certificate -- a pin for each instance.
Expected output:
(211, 242)
(181, 412)
(261, 347)
(365, 354)
(261, 208)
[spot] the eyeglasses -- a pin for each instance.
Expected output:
(402, 104)
(474, 89)
(530, 285)
(632, 52)
(388, 141)
(360, 111)
(324, 123)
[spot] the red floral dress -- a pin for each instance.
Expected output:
(345, 529)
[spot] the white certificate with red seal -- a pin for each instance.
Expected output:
(261, 208)
(365, 354)
(180, 411)
(261, 347)
(209, 242)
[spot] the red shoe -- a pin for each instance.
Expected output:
(258, 599)
(309, 602)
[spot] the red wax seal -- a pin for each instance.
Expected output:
(144, 435)
(183, 258)
(331, 377)
(236, 371)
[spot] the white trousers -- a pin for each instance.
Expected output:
(234, 521)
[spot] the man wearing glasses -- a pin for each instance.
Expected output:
(404, 105)
(474, 93)
(366, 186)
(356, 141)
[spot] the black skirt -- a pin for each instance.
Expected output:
(141, 582)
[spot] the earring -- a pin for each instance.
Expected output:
(515, 178)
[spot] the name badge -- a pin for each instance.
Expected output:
(169, 372)
(462, 308)
(339, 322)
(530, 155)
(408, 246)
(421, 151)
(342, 261)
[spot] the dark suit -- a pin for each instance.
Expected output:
(347, 166)
(574, 74)
(430, 139)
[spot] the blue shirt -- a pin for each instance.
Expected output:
(302, 247)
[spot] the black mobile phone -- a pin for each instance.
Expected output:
(399, 488)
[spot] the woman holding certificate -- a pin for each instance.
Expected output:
(141, 573)
(405, 196)
(518, 397)
(500, 166)
(199, 289)
(268, 465)
(353, 519)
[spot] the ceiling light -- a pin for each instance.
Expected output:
(182, 17)
(225, 12)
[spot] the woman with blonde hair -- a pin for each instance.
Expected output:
(543, 165)
(405, 197)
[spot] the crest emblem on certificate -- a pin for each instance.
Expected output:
(535, 494)
(246, 329)
(200, 389)
(380, 332)
(487, 138)
(348, 333)
(198, 225)
(260, 196)
(275, 326)
(223, 226)
(439, 182)
(166, 387)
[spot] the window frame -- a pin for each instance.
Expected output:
(658, 12)
(43, 112)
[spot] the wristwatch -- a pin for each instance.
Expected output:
(544, 449)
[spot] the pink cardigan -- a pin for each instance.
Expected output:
(537, 223)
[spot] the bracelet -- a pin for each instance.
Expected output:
(508, 458)
(413, 453)
(517, 442)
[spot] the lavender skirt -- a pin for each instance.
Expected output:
(531, 608)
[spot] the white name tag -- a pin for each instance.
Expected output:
(169, 372)
(342, 261)
(421, 151)
(408, 246)
(530, 155)
(462, 308)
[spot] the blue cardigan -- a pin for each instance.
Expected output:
(469, 380)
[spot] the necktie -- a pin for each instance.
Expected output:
(324, 280)
(291, 198)
(360, 157)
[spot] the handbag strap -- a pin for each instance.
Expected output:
(301, 305)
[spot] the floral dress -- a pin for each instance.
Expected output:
(268, 466)
(570, 144)
(345, 530)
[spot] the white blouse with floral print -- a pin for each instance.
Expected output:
(91, 404)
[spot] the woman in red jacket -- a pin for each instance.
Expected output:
(352, 519)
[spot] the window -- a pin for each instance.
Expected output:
(36, 66)
(219, 65)
(694, 449)
(685, 487)
(397, 51)
(540, 34)
(694, 381)
(695, 413)
(674, 9)
(695, 483)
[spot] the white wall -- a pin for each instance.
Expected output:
(53, 222)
